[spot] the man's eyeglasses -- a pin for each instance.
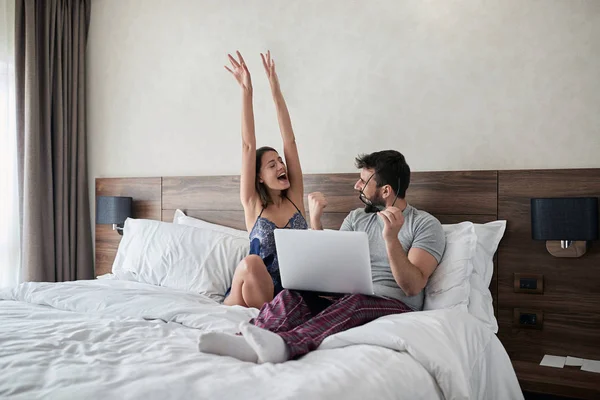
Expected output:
(368, 201)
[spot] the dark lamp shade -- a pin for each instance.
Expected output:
(112, 209)
(570, 218)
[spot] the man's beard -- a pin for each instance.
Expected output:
(377, 204)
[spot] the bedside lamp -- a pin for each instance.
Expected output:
(566, 224)
(113, 210)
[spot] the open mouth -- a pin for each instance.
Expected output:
(282, 177)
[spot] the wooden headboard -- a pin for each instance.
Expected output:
(570, 303)
(450, 196)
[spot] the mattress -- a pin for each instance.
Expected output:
(109, 338)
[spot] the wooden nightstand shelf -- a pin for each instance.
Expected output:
(567, 381)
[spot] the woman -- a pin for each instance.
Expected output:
(271, 194)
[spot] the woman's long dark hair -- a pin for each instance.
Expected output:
(261, 188)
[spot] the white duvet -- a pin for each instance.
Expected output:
(108, 339)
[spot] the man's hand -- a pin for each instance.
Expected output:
(316, 204)
(393, 219)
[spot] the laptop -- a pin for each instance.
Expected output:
(336, 262)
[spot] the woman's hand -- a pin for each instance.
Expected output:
(240, 72)
(269, 65)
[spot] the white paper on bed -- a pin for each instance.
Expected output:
(139, 357)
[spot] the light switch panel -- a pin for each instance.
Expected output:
(529, 283)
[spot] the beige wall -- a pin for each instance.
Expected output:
(468, 84)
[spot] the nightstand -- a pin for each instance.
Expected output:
(569, 382)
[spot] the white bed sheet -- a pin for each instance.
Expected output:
(119, 339)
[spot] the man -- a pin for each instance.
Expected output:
(405, 244)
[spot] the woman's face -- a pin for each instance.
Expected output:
(273, 172)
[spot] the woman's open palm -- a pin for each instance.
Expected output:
(240, 71)
(269, 65)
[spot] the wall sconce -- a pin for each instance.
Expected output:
(113, 210)
(566, 224)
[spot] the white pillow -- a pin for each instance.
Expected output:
(178, 256)
(480, 299)
(449, 285)
(182, 219)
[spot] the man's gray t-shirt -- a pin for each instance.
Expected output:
(420, 230)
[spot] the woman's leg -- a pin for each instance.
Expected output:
(252, 285)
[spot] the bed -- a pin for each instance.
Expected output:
(121, 336)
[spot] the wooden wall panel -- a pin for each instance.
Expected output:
(462, 194)
(571, 298)
(450, 196)
(207, 193)
(459, 192)
(146, 193)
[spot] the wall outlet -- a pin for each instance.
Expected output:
(531, 319)
(529, 283)
(527, 319)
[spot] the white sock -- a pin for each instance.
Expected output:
(224, 344)
(269, 346)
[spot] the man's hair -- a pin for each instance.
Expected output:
(390, 169)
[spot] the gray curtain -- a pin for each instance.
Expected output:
(50, 41)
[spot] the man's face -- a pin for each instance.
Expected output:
(370, 194)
